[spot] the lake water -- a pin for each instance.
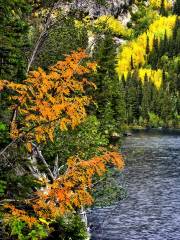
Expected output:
(151, 177)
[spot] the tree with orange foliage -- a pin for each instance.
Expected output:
(45, 102)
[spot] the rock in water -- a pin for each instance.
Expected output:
(127, 134)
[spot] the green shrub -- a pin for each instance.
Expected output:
(70, 227)
(154, 120)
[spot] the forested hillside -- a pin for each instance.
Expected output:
(149, 67)
(75, 74)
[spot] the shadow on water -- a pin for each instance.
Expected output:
(151, 210)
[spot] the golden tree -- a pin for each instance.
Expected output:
(46, 102)
(136, 49)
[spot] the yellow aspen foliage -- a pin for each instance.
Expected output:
(156, 4)
(56, 98)
(114, 25)
(155, 76)
(136, 49)
(105, 22)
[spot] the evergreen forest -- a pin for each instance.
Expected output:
(73, 81)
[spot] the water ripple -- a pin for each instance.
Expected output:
(152, 179)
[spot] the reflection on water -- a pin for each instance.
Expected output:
(151, 210)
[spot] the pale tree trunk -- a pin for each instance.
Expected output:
(47, 25)
(91, 43)
(83, 216)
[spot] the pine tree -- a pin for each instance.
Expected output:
(176, 9)
(176, 27)
(166, 106)
(138, 89)
(165, 84)
(132, 63)
(177, 79)
(14, 30)
(146, 99)
(177, 37)
(154, 103)
(119, 105)
(147, 46)
(106, 117)
(155, 44)
(164, 45)
(109, 93)
(163, 11)
(154, 55)
(13, 38)
(132, 97)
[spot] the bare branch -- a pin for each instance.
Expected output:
(56, 166)
(34, 168)
(8, 146)
(42, 34)
(44, 161)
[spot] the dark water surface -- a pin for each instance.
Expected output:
(151, 210)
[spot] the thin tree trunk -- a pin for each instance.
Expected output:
(31, 60)
(39, 154)
(83, 216)
(42, 34)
